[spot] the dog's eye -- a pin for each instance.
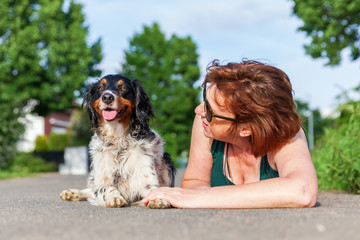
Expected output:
(122, 88)
(100, 88)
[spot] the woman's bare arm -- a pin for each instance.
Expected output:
(295, 187)
(198, 171)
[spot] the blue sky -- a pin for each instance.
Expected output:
(227, 30)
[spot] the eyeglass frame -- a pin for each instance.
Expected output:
(212, 114)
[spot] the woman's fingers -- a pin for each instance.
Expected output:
(177, 197)
(159, 193)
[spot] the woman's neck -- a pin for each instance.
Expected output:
(241, 145)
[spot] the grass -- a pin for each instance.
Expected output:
(9, 174)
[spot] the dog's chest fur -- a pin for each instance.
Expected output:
(133, 166)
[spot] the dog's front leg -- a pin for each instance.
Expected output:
(152, 183)
(108, 197)
(76, 195)
(158, 203)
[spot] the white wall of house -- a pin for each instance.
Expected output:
(34, 127)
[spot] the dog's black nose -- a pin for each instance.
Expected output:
(107, 98)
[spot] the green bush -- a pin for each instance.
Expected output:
(28, 163)
(337, 158)
(41, 144)
(58, 142)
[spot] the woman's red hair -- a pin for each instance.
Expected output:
(260, 95)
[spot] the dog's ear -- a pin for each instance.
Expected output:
(89, 102)
(143, 109)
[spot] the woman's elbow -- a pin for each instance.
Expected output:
(309, 200)
(307, 195)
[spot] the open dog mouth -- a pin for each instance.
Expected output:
(111, 114)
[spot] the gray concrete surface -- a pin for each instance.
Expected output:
(30, 208)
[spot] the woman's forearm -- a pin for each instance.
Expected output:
(272, 193)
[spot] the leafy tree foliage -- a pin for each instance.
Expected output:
(10, 130)
(43, 53)
(333, 26)
(168, 69)
(44, 59)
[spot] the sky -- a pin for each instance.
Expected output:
(228, 30)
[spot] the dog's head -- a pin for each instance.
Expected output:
(115, 98)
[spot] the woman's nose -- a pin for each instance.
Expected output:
(200, 109)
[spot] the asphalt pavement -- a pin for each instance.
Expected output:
(30, 208)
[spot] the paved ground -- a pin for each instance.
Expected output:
(30, 208)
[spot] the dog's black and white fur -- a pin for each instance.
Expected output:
(128, 158)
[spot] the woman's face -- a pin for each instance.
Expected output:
(218, 128)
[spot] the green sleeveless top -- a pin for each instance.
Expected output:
(217, 173)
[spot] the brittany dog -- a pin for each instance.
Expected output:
(127, 157)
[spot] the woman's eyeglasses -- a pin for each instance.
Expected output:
(209, 113)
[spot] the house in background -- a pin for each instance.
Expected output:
(57, 122)
(42, 126)
(73, 160)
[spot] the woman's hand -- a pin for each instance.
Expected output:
(177, 197)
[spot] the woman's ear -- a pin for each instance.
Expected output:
(245, 130)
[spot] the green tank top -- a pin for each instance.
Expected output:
(217, 173)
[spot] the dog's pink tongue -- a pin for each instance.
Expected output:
(109, 115)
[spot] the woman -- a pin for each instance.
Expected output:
(248, 149)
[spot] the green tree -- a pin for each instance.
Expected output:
(168, 69)
(10, 130)
(333, 26)
(43, 53)
(44, 58)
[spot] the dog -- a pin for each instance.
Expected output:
(127, 157)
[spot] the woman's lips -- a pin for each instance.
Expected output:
(204, 125)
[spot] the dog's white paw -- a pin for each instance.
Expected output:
(114, 199)
(72, 195)
(158, 203)
(115, 202)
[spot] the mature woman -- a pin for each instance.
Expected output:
(248, 149)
